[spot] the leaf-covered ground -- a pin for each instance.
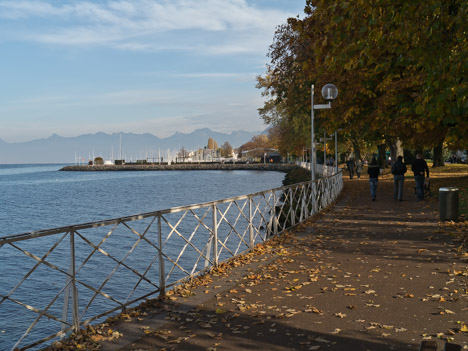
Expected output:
(365, 275)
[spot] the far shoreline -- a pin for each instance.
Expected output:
(278, 167)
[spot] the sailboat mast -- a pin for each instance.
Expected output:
(120, 153)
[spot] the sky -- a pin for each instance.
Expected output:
(139, 66)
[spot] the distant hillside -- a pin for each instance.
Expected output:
(57, 149)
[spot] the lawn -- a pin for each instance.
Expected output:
(455, 175)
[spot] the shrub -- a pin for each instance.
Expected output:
(296, 175)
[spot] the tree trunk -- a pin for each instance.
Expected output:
(438, 156)
(357, 149)
(382, 158)
(395, 149)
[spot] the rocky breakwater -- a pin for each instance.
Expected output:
(279, 167)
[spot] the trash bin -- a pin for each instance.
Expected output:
(448, 204)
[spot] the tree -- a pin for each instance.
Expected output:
(256, 146)
(400, 67)
(212, 144)
(183, 154)
(226, 149)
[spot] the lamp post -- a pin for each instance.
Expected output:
(329, 92)
(336, 152)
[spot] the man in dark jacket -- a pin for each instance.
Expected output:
(374, 171)
(419, 167)
(398, 170)
(351, 166)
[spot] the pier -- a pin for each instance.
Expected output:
(279, 167)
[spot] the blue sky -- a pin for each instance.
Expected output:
(156, 66)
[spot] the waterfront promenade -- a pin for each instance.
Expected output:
(365, 275)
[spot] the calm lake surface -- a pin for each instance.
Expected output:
(37, 197)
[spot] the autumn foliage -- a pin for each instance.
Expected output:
(400, 67)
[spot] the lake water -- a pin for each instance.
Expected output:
(36, 197)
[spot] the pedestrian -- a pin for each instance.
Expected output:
(398, 170)
(419, 168)
(373, 170)
(359, 168)
(351, 166)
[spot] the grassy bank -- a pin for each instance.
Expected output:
(455, 175)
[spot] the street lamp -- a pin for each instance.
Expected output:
(329, 92)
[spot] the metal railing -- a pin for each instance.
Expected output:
(53, 281)
(321, 170)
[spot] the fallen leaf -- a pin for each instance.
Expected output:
(322, 340)
(340, 315)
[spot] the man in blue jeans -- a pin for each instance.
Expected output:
(374, 171)
(419, 167)
(398, 171)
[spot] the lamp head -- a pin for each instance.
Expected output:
(329, 92)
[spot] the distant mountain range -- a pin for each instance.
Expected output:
(57, 149)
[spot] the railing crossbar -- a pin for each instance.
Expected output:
(189, 242)
(118, 264)
(232, 227)
(39, 262)
(173, 227)
(175, 263)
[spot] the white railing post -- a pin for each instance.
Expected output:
(162, 273)
(314, 197)
(275, 216)
(291, 206)
(76, 321)
(251, 235)
(215, 236)
(303, 206)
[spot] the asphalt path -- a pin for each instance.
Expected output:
(364, 275)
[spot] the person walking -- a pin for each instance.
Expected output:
(358, 168)
(350, 165)
(398, 170)
(374, 171)
(419, 168)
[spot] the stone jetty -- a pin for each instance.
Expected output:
(279, 167)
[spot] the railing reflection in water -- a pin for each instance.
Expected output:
(53, 281)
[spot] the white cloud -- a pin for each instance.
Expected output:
(145, 24)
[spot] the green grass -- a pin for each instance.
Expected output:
(455, 175)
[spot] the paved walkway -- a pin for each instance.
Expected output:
(363, 276)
